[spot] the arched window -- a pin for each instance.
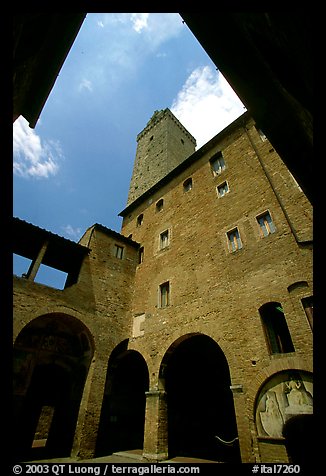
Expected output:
(140, 219)
(159, 205)
(187, 185)
(275, 327)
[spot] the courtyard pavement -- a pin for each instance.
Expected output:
(124, 457)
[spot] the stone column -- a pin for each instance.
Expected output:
(90, 412)
(34, 267)
(156, 426)
(244, 435)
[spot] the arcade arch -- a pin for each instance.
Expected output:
(195, 375)
(123, 408)
(51, 356)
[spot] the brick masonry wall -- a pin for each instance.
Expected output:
(213, 291)
(101, 298)
(99, 302)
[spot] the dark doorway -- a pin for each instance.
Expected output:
(49, 434)
(52, 355)
(299, 433)
(200, 402)
(123, 409)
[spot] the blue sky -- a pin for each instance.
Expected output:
(74, 168)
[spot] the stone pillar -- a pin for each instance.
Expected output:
(244, 435)
(90, 412)
(156, 426)
(34, 267)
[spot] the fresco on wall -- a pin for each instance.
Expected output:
(285, 395)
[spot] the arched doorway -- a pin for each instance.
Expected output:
(123, 408)
(52, 355)
(200, 405)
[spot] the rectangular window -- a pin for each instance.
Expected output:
(164, 294)
(217, 164)
(222, 189)
(275, 327)
(266, 224)
(118, 251)
(164, 239)
(308, 307)
(234, 240)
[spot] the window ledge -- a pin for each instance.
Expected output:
(281, 355)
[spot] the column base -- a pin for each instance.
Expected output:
(155, 457)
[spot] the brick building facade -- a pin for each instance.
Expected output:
(188, 333)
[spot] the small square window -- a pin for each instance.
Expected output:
(222, 189)
(164, 297)
(118, 251)
(234, 240)
(217, 164)
(164, 239)
(266, 224)
(159, 205)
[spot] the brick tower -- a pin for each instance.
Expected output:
(162, 145)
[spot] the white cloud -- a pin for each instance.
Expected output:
(132, 36)
(161, 27)
(206, 104)
(139, 21)
(120, 44)
(71, 232)
(32, 157)
(85, 84)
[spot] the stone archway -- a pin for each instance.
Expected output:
(195, 375)
(51, 359)
(123, 408)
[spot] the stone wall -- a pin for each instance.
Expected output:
(212, 291)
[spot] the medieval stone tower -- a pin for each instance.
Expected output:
(189, 333)
(162, 145)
